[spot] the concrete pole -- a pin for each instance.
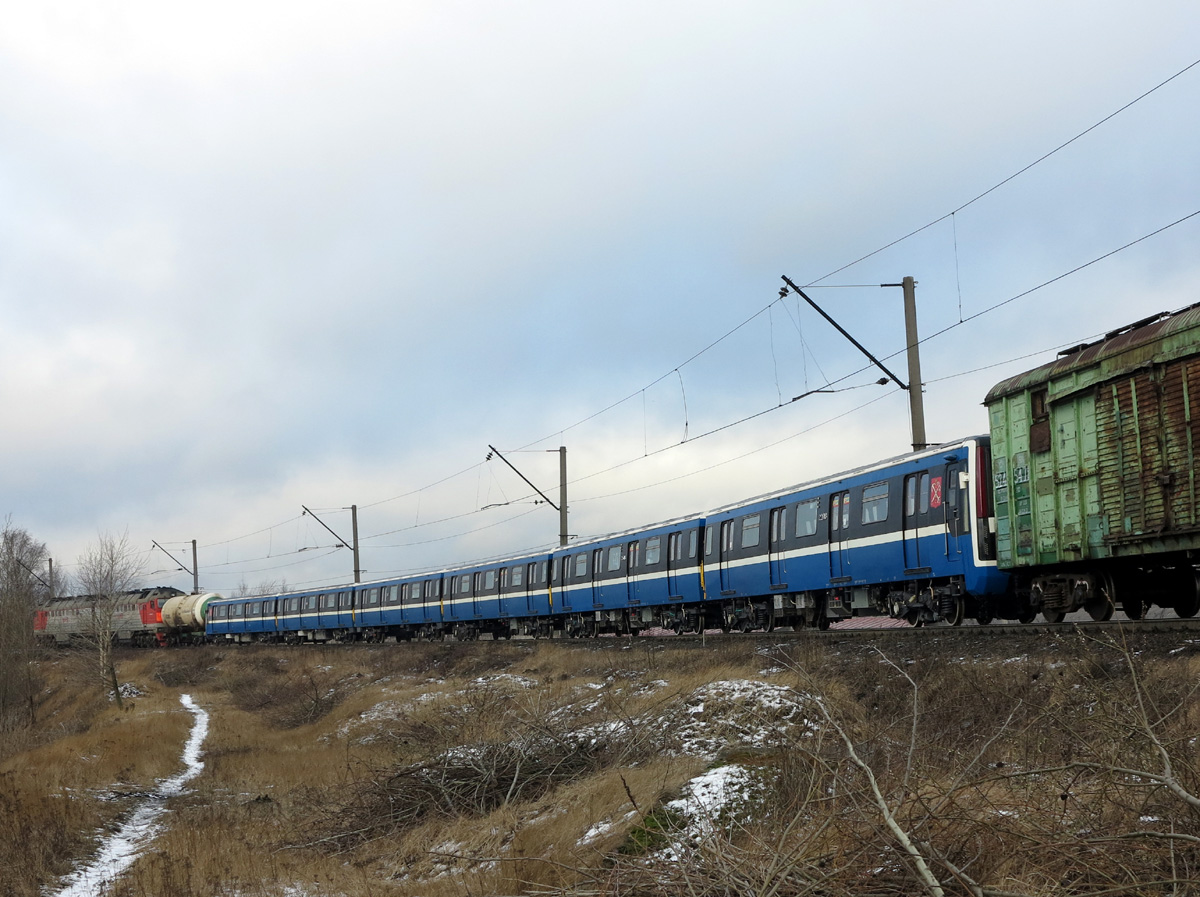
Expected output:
(354, 536)
(195, 571)
(562, 496)
(916, 401)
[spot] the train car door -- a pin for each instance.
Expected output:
(839, 523)
(633, 558)
(954, 509)
(725, 549)
(573, 570)
(597, 569)
(674, 561)
(916, 515)
(775, 537)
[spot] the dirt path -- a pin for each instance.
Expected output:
(120, 849)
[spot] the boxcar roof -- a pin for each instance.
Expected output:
(1159, 338)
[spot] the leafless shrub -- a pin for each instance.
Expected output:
(185, 668)
(531, 747)
(289, 695)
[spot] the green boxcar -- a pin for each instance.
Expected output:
(1094, 472)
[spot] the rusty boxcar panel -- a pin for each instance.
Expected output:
(1094, 454)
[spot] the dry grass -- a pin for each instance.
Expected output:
(83, 770)
(520, 768)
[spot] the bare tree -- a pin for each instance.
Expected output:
(22, 588)
(261, 590)
(107, 572)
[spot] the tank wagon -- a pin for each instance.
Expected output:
(142, 617)
(1094, 465)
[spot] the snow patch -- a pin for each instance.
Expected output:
(128, 842)
(707, 802)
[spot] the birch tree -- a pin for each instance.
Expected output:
(22, 587)
(107, 571)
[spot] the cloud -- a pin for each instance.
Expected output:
(258, 255)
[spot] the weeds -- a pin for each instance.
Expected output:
(1061, 768)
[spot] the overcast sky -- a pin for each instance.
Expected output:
(255, 256)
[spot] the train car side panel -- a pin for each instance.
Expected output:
(1094, 460)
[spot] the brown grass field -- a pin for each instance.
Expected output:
(1030, 765)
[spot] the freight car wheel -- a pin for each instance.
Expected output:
(1101, 609)
(1027, 615)
(1133, 606)
(1188, 602)
(1187, 607)
(1054, 616)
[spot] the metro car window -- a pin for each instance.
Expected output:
(614, 558)
(653, 550)
(806, 517)
(875, 503)
(750, 527)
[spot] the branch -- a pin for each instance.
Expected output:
(932, 885)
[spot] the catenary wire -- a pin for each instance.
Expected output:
(707, 348)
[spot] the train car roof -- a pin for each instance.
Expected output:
(1156, 339)
(929, 451)
(132, 594)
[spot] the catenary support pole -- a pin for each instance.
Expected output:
(916, 402)
(562, 496)
(354, 537)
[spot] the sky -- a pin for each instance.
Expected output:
(259, 257)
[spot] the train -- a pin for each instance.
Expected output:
(1082, 495)
(156, 616)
